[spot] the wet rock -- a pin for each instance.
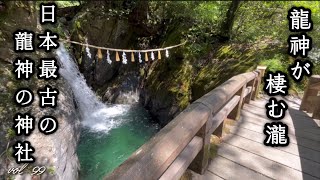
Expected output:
(125, 90)
(57, 151)
(101, 31)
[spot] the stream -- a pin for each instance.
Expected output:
(109, 133)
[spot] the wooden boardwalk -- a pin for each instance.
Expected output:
(242, 154)
(228, 112)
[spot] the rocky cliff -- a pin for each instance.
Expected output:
(56, 151)
(165, 86)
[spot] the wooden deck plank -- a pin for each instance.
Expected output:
(260, 164)
(230, 170)
(290, 160)
(301, 127)
(300, 120)
(260, 104)
(315, 145)
(209, 176)
(292, 148)
(244, 122)
(242, 154)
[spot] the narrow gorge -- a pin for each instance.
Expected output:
(108, 109)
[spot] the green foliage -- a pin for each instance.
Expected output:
(256, 20)
(201, 19)
(10, 134)
(275, 64)
(259, 37)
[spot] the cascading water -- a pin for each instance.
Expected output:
(109, 133)
(94, 113)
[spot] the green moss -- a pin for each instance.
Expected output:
(172, 79)
(9, 152)
(230, 60)
(51, 170)
(10, 134)
(10, 177)
(62, 4)
(77, 24)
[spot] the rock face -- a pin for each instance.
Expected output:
(164, 93)
(101, 31)
(160, 107)
(123, 90)
(57, 152)
(117, 83)
(166, 86)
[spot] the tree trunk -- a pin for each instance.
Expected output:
(226, 26)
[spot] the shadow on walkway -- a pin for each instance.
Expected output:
(301, 118)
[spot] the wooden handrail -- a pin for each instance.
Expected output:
(186, 139)
(315, 86)
(311, 98)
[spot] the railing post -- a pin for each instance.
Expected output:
(316, 110)
(235, 113)
(256, 85)
(309, 95)
(251, 83)
(261, 70)
(201, 161)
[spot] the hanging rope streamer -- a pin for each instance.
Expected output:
(124, 58)
(132, 57)
(87, 49)
(108, 57)
(146, 57)
(140, 60)
(124, 51)
(117, 56)
(99, 54)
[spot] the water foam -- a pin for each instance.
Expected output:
(95, 115)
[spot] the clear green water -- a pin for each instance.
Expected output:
(99, 153)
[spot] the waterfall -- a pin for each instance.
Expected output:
(95, 115)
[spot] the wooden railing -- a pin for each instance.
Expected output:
(185, 141)
(311, 97)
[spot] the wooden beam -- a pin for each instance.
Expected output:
(247, 91)
(222, 114)
(316, 108)
(309, 91)
(201, 161)
(216, 98)
(235, 113)
(181, 163)
(248, 96)
(260, 70)
(152, 159)
(315, 86)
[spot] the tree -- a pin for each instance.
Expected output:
(226, 26)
